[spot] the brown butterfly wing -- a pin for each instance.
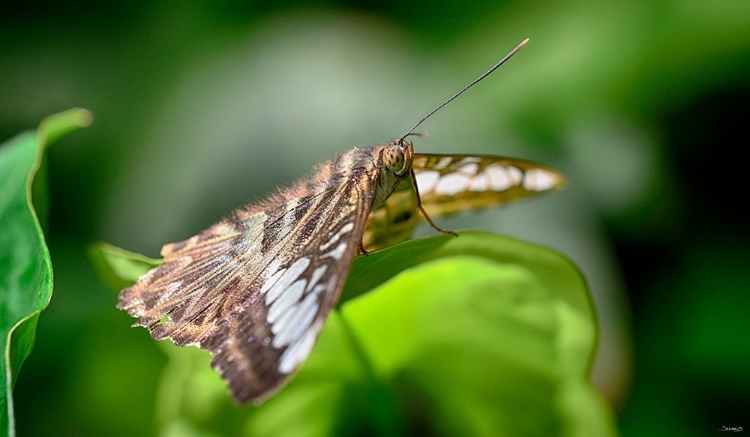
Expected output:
(256, 288)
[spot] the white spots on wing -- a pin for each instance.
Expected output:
(296, 354)
(515, 174)
(289, 297)
(468, 176)
(426, 180)
(280, 284)
(452, 183)
(342, 231)
(469, 168)
(480, 183)
(271, 274)
(337, 252)
(296, 320)
(444, 162)
(502, 178)
(272, 280)
(470, 159)
(539, 179)
(317, 274)
(499, 179)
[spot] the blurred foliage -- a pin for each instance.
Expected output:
(203, 106)
(477, 332)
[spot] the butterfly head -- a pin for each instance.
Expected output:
(397, 157)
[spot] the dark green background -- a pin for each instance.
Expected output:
(202, 106)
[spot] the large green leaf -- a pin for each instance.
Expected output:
(25, 267)
(475, 335)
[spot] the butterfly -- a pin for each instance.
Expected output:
(255, 288)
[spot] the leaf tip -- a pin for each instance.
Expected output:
(58, 125)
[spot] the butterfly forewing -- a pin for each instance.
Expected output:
(255, 288)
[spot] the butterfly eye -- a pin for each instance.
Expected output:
(393, 158)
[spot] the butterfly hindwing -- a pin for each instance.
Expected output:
(395, 221)
(449, 184)
(255, 288)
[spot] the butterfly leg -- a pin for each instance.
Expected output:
(362, 248)
(424, 213)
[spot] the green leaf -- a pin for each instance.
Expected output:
(25, 267)
(475, 335)
(119, 268)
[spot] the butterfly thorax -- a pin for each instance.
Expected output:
(394, 164)
(384, 166)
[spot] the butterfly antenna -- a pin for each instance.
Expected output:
(474, 82)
